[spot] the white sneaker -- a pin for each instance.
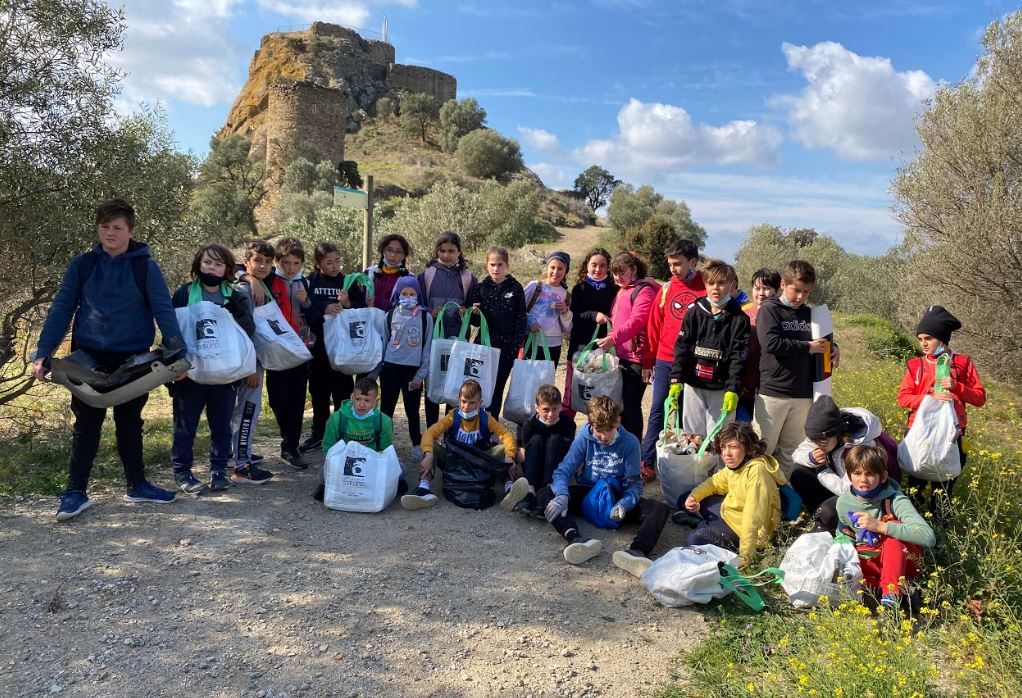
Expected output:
(631, 561)
(577, 553)
(516, 493)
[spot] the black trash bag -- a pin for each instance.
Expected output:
(469, 475)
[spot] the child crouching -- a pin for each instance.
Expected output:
(603, 449)
(751, 508)
(889, 532)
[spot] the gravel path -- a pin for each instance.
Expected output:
(261, 591)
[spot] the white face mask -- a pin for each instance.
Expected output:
(367, 415)
(550, 423)
(469, 415)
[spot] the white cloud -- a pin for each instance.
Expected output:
(858, 106)
(346, 13)
(554, 176)
(539, 139)
(663, 137)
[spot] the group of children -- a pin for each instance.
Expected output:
(697, 338)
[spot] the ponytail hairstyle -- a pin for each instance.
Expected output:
(629, 260)
(449, 237)
(584, 269)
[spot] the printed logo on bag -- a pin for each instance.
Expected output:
(357, 329)
(275, 326)
(585, 392)
(445, 359)
(473, 367)
(354, 466)
(205, 329)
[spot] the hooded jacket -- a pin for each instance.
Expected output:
(551, 323)
(630, 319)
(911, 527)
(383, 284)
(785, 364)
(752, 500)
(711, 349)
(831, 474)
(503, 306)
(585, 303)
(446, 287)
(667, 314)
(588, 460)
(110, 312)
(354, 429)
(920, 375)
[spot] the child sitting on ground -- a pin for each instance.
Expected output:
(819, 473)
(546, 438)
(751, 508)
(875, 505)
(358, 419)
(468, 425)
(603, 449)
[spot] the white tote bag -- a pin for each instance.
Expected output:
(359, 479)
(679, 472)
(218, 349)
(595, 372)
(930, 449)
(471, 361)
(687, 575)
(813, 563)
(277, 344)
(439, 356)
(353, 338)
(527, 375)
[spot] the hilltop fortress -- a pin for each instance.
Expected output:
(305, 89)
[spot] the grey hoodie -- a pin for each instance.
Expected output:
(446, 287)
(407, 344)
(834, 477)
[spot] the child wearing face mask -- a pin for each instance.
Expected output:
(546, 303)
(406, 355)
(546, 438)
(210, 268)
(592, 298)
(963, 387)
(394, 251)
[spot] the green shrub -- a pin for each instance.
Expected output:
(883, 338)
(488, 155)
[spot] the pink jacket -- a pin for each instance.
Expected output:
(630, 319)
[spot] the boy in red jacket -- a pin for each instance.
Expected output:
(963, 386)
(662, 329)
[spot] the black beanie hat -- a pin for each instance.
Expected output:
(824, 419)
(939, 323)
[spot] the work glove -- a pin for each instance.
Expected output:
(730, 402)
(558, 506)
(617, 513)
(675, 390)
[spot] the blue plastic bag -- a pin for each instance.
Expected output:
(791, 503)
(600, 500)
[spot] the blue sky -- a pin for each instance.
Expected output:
(795, 113)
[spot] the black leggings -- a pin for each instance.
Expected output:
(326, 386)
(394, 380)
(633, 388)
(818, 501)
(507, 361)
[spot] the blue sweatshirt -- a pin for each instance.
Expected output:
(588, 461)
(109, 311)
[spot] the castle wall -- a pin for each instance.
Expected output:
(423, 80)
(380, 52)
(303, 119)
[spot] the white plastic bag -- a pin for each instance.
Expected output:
(277, 344)
(678, 472)
(595, 373)
(930, 449)
(353, 338)
(439, 356)
(360, 479)
(811, 565)
(527, 375)
(475, 361)
(687, 575)
(218, 349)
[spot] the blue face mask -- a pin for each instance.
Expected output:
(784, 300)
(939, 350)
(367, 415)
(869, 494)
(468, 415)
(408, 302)
(689, 274)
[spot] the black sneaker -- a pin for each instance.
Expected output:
(420, 498)
(294, 459)
(219, 481)
(319, 493)
(256, 458)
(686, 518)
(311, 444)
(189, 484)
(250, 475)
(526, 506)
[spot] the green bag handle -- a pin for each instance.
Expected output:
(484, 329)
(591, 344)
(671, 405)
(943, 371)
(195, 292)
(361, 278)
(744, 587)
(533, 344)
(714, 430)
(438, 326)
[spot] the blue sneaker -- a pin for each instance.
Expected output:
(148, 492)
(72, 503)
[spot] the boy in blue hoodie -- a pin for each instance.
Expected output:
(113, 292)
(603, 449)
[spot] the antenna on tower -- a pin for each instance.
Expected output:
(385, 29)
